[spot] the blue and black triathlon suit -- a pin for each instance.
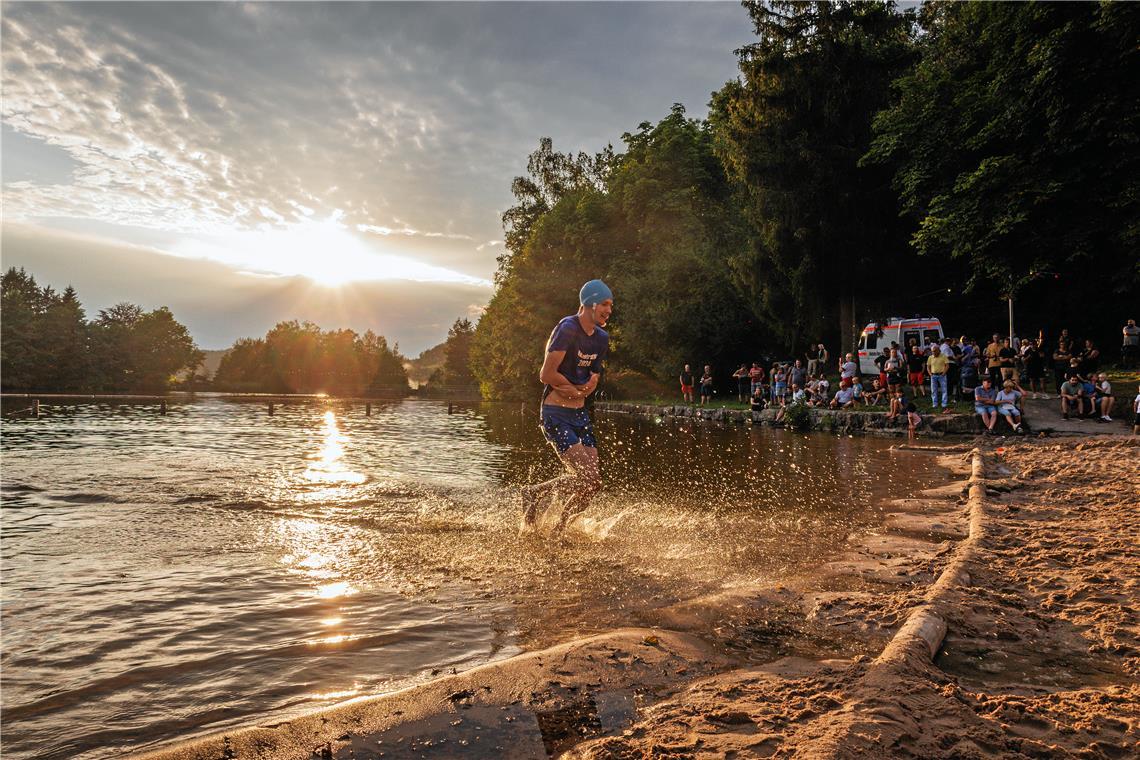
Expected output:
(563, 426)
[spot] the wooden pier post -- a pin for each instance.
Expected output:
(36, 408)
(162, 407)
(449, 407)
(368, 410)
(270, 408)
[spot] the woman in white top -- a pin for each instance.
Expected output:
(1104, 397)
(1007, 400)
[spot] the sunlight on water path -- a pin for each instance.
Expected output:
(169, 575)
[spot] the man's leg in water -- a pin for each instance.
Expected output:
(534, 495)
(582, 463)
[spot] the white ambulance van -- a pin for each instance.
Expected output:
(876, 339)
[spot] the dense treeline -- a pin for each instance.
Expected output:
(47, 343)
(298, 357)
(866, 163)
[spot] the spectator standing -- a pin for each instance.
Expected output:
(881, 362)
(1034, 360)
(779, 384)
(985, 404)
(1006, 356)
(1090, 359)
(894, 368)
(707, 386)
(687, 384)
(756, 375)
(1136, 413)
(743, 383)
(938, 366)
(1130, 348)
(1008, 405)
(798, 375)
(947, 348)
(1061, 358)
(848, 367)
(915, 364)
(993, 360)
(968, 367)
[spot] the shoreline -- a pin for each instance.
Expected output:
(551, 699)
(972, 624)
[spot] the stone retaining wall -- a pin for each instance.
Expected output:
(831, 420)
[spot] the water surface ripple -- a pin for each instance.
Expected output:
(166, 576)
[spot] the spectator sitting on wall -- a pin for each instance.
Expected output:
(985, 404)
(876, 395)
(1104, 398)
(1072, 393)
(1008, 405)
(758, 402)
(898, 403)
(844, 397)
(857, 389)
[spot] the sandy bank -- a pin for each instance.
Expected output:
(1033, 580)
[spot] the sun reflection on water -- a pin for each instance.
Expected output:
(326, 467)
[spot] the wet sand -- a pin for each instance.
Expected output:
(994, 617)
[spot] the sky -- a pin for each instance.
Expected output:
(345, 163)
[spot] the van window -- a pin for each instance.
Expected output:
(908, 336)
(871, 340)
(931, 336)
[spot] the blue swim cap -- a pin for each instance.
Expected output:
(594, 292)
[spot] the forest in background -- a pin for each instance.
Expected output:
(866, 163)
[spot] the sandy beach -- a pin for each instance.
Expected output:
(993, 617)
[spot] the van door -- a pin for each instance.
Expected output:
(869, 351)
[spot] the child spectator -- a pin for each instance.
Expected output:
(985, 404)
(1007, 400)
(1136, 413)
(857, 389)
(913, 419)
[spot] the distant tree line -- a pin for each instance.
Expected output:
(47, 343)
(298, 357)
(866, 163)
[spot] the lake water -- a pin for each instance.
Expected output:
(168, 576)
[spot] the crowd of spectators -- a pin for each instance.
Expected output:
(997, 377)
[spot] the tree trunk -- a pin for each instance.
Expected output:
(848, 330)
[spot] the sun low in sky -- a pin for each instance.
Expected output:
(220, 158)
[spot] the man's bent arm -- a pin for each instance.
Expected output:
(549, 375)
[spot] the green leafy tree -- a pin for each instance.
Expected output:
(22, 349)
(66, 344)
(457, 359)
(790, 134)
(1014, 146)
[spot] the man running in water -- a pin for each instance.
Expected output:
(574, 354)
